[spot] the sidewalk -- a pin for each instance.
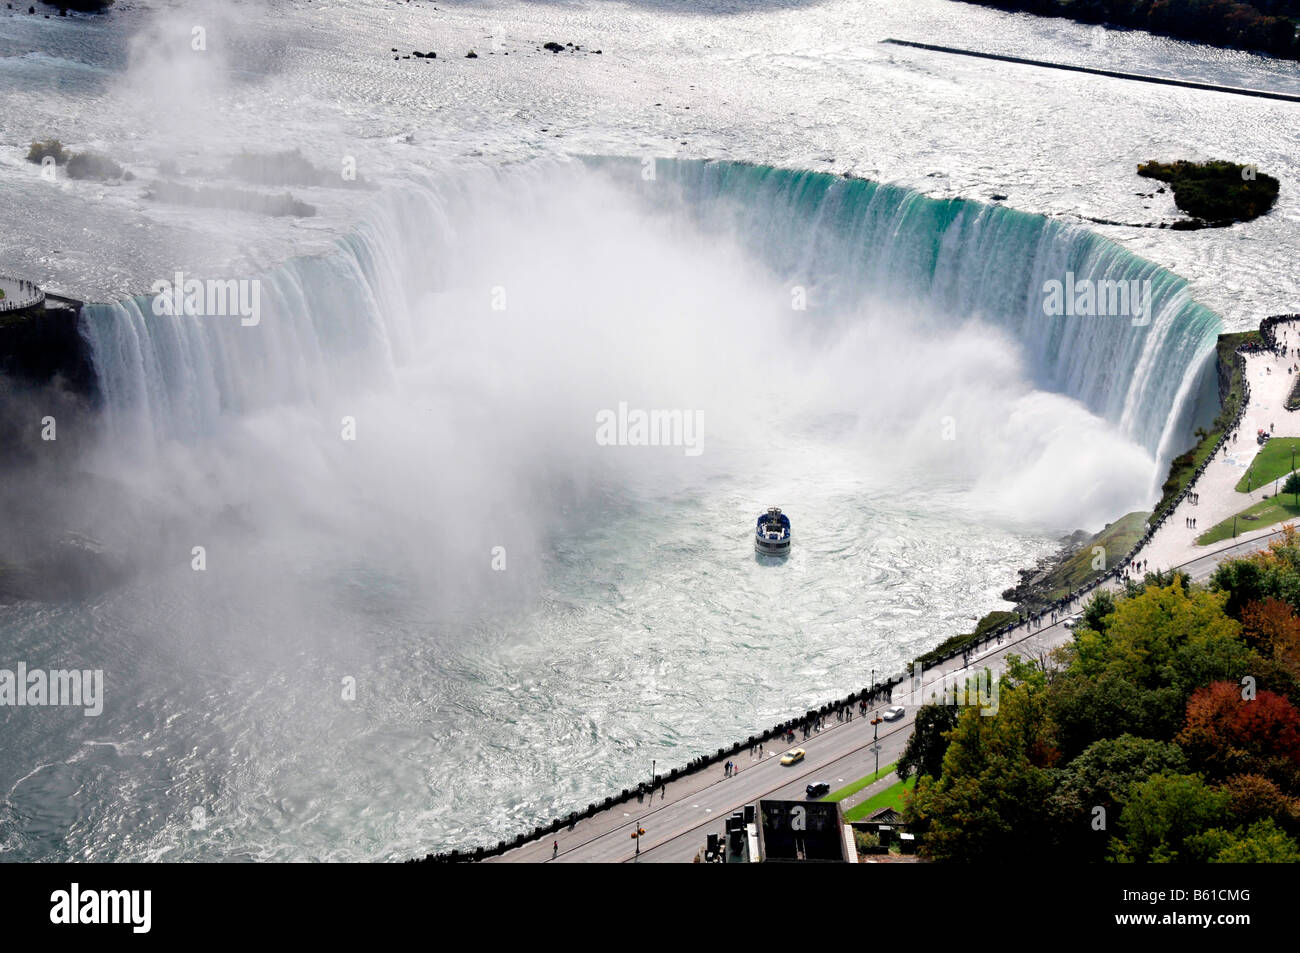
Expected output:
(1270, 384)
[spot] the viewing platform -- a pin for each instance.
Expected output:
(19, 294)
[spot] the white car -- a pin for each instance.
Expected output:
(894, 712)
(1074, 620)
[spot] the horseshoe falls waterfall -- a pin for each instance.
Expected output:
(390, 591)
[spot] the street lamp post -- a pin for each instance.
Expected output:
(875, 742)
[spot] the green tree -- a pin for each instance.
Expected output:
(1102, 777)
(1096, 614)
(928, 742)
(989, 802)
(1292, 486)
(1162, 813)
(1274, 572)
(1085, 710)
(1244, 581)
(1260, 843)
(1147, 630)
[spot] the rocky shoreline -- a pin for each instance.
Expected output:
(1032, 590)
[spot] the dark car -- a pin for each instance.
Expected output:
(819, 789)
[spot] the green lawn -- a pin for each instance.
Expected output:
(1271, 463)
(1117, 539)
(1275, 509)
(890, 797)
(858, 785)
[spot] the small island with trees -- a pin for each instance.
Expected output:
(79, 165)
(1215, 193)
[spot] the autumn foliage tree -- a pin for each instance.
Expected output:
(1274, 629)
(1256, 798)
(1227, 734)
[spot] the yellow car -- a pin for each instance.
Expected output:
(793, 756)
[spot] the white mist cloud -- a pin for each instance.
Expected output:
(475, 364)
(475, 429)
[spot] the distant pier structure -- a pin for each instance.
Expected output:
(19, 294)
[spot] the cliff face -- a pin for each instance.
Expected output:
(48, 422)
(45, 372)
(1223, 369)
(43, 346)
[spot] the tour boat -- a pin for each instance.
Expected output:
(773, 533)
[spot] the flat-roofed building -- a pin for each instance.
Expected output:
(804, 831)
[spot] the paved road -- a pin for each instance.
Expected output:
(678, 826)
(822, 764)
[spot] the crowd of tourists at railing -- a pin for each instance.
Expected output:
(19, 293)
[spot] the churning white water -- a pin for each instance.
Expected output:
(528, 614)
